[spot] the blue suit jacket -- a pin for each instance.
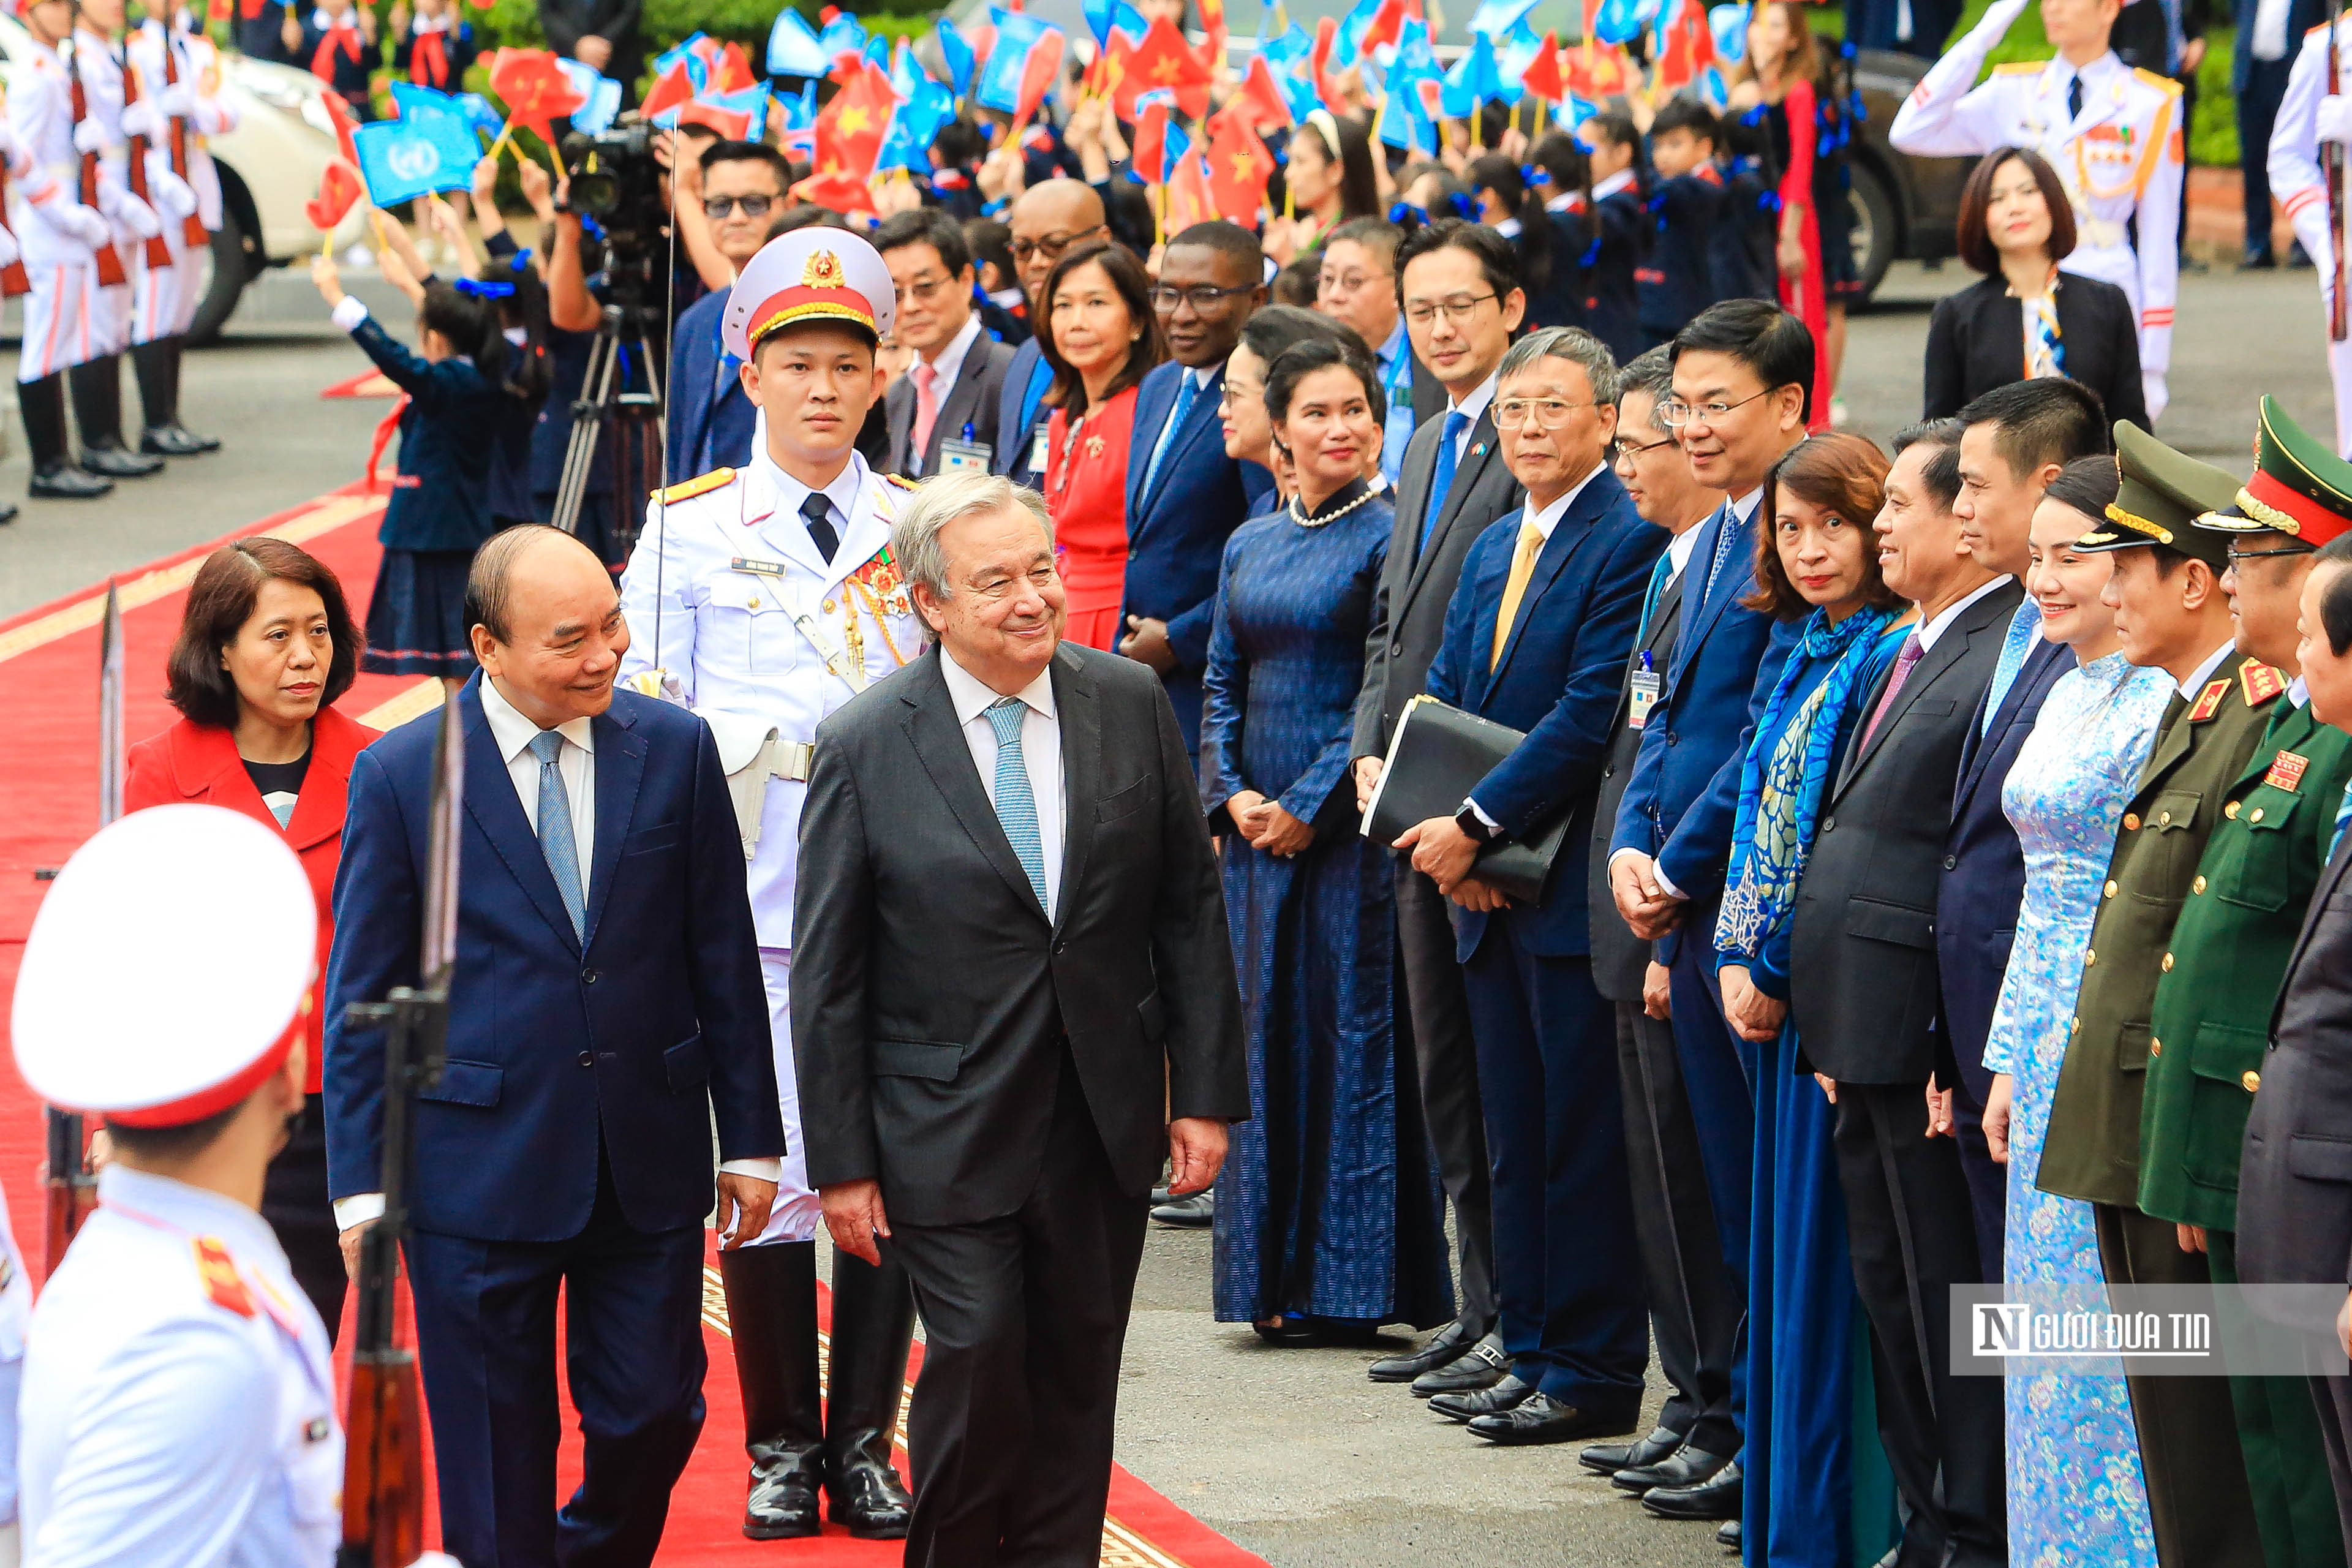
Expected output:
(1684, 794)
(2301, 17)
(706, 398)
(1015, 436)
(632, 1044)
(1176, 534)
(1558, 679)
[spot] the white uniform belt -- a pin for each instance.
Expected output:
(2100, 232)
(790, 759)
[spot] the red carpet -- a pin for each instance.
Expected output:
(367, 383)
(48, 804)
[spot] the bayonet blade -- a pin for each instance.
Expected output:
(113, 758)
(438, 945)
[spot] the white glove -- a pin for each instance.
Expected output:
(173, 196)
(84, 224)
(89, 136)
(178, 101)
(129, 211)
(2335, 119)
(142, 119)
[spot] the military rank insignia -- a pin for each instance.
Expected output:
(2261, 681)
(2287, 771)
(216, 1272)
(2208, 701)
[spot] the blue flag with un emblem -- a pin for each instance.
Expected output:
(404, 159)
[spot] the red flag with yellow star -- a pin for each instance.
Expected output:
(851, 131)
(1190, 200)
(1239, 164)
(1264, 96)
(1161, 60)
(1212, 22)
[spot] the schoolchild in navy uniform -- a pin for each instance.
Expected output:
(1620, 234)
(432, 47)
(439, 511)
(336, 42)
(1747, 233)
(1677, 279)
(512, 282)
(1513, 206)
(1003, 307)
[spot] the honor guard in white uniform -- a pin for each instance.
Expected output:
(16, 1313)
(177, 108)
(2112, 133)
(765, 598)
(178, 1403)
(2310, 116)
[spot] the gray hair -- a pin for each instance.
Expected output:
(1653, 372)
(1572, 343)
(939, 501)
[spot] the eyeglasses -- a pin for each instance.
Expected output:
(1051, 246)
(2238, 555)
(717, 207)
(1421, 312)
(1629, 451)
(1202, 297)
(924, 291)
(1547, 413)
(1677, 413)
(1347, 283)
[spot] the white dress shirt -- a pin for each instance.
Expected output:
(1470, 408)
(2204, 672)
(950, 364)
(841, 496)
(1041, 753)
(1621, 180)
(1931, 630)
(1678, 550)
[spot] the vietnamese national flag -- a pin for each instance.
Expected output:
(1264, 96)
(1037, 74)
(674, 89)
(1212, 22)
(1190, 200)
(1149, 158)
(838, 189)
(733, 75)
(1387, 22)
(1239, 167)
(1542, 77)
(1161, 60)
(1326, 33)
(851, 131)
(340, 113)
(534, 89)
(339, 188)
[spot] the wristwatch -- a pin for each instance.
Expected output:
(1468, 820)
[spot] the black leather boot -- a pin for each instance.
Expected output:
(873, 1325)
(157, 367)
(771, 1310)
(43, 404)
(97, 409)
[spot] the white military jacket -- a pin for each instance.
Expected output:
(727, 595)
(179, 1401)
(2295, 170)
(2123, 158)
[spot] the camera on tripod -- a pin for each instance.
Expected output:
(614, 178)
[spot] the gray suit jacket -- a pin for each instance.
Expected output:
(973, 401)
(933, 1001)
(1409, 607)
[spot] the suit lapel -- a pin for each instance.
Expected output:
(1568, 536)
(1483, 449)
(898, 407)
(962, 406)
(1701, 609)
(1081, 718)
(2174, 744)
(1153, 401)
(1982, 741)
(620, 763)
(1486, 589)
(496, 810)
(1203, 411)
(1949, 649)
(2329, 881)
(929, 721)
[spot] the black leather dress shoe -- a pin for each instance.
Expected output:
(117, 461)
(175, 441)
(866, 1494)
(1608, 1458)
(785, 1481)
(1718, 1497)
(1441, 1348)
(1196, 1212)
(1472, 1403)
(1685, 1467)
(1483, 1365)
(1540, 1418)
(1728, 1534)
(65, 482)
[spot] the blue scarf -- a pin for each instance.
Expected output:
(1786, 772)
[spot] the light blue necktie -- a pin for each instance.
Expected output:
(1441, 479)
(1016, 805)
(1396, 432)
(2343, 815)
(1187, 389)
(555, 840)
(1723, 533)
(1660, 575)
(2023, 627)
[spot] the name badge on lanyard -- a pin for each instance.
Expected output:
(1641, 694)
(1037, 452)
(965, 455)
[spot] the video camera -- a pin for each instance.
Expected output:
(614, 178)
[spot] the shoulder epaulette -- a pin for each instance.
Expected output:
(2261, 682)
(901, 481)
(2020, 68)
(2208, 701)
(701, 484)
(216, 1272)
(2164, 84)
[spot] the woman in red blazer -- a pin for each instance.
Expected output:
(266, 647)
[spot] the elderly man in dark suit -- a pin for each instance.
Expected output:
(608, 1008)
(943, 411)
(2013, 441)
(1862, 990)
(1017, 813)
(1458, 283)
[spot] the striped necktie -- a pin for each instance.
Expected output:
(1016, 803)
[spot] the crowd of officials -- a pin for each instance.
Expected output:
(1932, 789)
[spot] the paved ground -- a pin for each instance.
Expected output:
(1292, 1453)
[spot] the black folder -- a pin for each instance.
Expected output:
(1435, 761)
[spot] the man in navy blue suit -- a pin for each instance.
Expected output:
(1742, 390)
(2014, 440)
(608, 1009)
(710, 419)
(1048, 219)
(1536, 637)
(1184, 496)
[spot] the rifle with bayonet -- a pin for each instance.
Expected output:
(384, 1457)
(110, 260)
(134, 171)
(194, 232)
(2331, 164)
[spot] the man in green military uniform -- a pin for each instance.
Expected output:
(2170, 613)
(2229, 949)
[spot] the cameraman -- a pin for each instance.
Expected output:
(740, 188)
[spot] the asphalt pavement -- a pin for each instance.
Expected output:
(1293, 1453)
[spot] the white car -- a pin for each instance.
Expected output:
(270, 168)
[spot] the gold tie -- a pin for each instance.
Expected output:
(1523, 566)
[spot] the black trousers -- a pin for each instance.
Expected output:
(2258, 109)
(1024, 1319)
(294, 1201)
(2331, 1399)
(1914, 1237)
(1694, 1306)
(1445, 1060)
(2188, 1447)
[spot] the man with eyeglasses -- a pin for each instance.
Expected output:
(1741, 389)
(1357, 285)
(1046, 221)
(1458, 291)
(1694, 1311)
(709, 418)
(943, 411)
(1184, 496)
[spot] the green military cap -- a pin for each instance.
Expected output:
(2299, 486)
(2162, 493)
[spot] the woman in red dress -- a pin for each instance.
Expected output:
(266, 643)
(1098, 333)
